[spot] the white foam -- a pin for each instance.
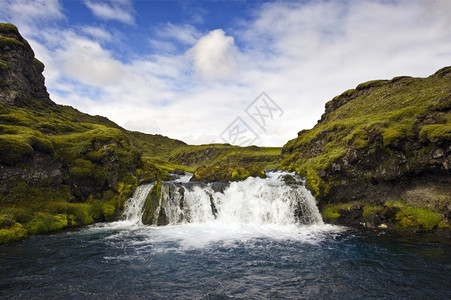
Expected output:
(247, 211)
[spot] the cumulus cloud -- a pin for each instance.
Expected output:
(214, 55)
(118, 10)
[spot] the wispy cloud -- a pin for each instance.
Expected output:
(97, 33)
(118, 10)
(182, 33)
(30, 13)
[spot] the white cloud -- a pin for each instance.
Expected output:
(29, 14)
(185, 33)
(97, 33)
(113, 10)
(33, 9)
(214, 56)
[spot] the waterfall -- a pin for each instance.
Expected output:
(134, 206)
(252, 201)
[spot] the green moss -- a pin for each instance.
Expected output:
(7, 41)
(151, 204)
(417, 217)
(226, 155)
(82, 213)
(13, 233)
(227, 173)
(6, 28)
(82, 169)
(45, 223)
(392, 135)
(38, 65)
(348, 93)
(436, 132)
(371, 83)
(3, 66)
(108, 211)
(13, 149)
(330, 212)
(371, 209)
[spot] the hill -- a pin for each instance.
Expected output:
(380, 155)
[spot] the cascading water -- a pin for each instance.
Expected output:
(253, 201)
(134, 206)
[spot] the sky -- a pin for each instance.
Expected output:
(238, 72)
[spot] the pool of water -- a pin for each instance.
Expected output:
(222, 261)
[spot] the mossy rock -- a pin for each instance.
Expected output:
(38, 65)
(226, 173)
(8, 28)
(11, 42)
(45, 223)
(151, 205)
(370, 84)
(12, 233)
(13, 149)
(418, 218)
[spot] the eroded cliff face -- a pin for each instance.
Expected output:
(21, 78)
(386, 143)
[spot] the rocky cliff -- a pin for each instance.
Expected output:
(21, 78)
(380, 155)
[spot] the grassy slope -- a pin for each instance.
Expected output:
(223, 154)
(224, 162)
(405, 119)
(89, 151)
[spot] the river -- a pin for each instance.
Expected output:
(252, 248)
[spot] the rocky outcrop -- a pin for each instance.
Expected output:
(21, 79)
(383, 142)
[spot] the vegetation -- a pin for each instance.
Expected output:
(405, 116)
(226, 155)
(396, 214)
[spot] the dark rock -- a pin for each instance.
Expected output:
(21, 78)
(351, 217)
(178, 172)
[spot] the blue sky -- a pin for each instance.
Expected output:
(194, 70)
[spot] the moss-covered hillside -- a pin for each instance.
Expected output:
(224, 162)
(384, 142)
(59, 167)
